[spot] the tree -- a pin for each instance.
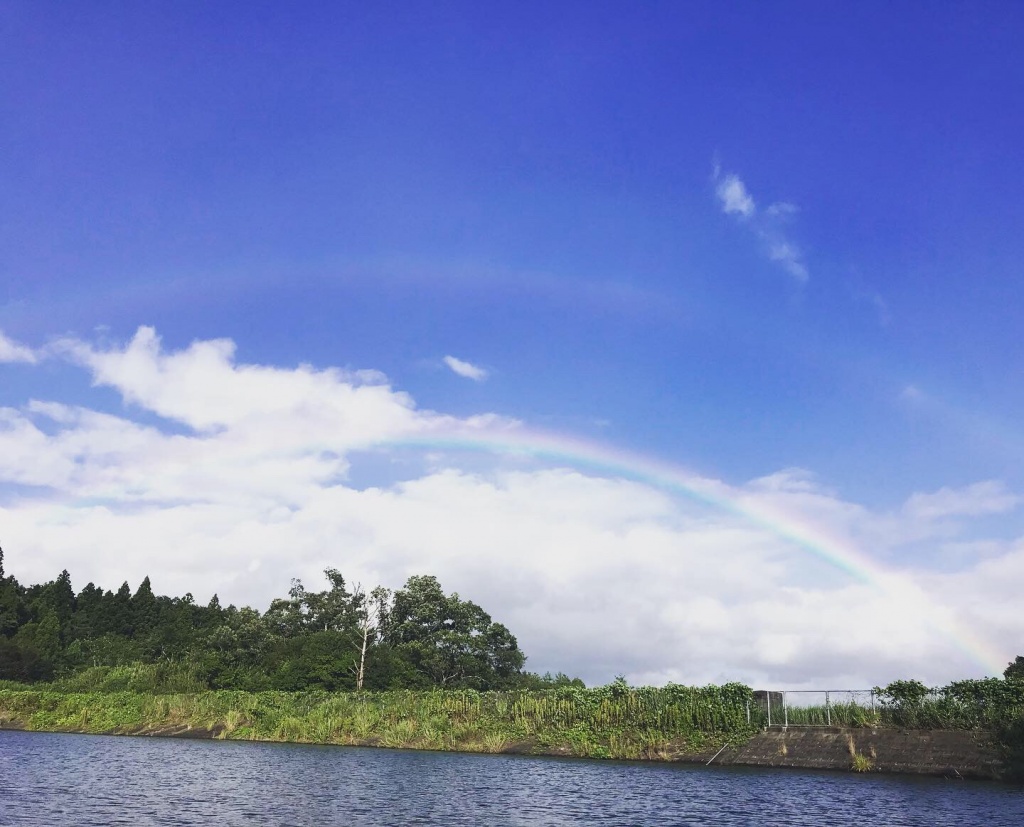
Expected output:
(57, 597)
(1015, 671)
(115, 612)
(334, 610)
(22, 663)
(41, 637)
(87, 620)
(144, 610)
(370, 610)
(286, 617)
(451, 641)
(13, 611)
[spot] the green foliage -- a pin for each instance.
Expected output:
(861, 763)
(604, 722)
(904, 704)
(416, 638)
(969, 704)
(1009, 733)
(1015, 671)
(531, 680)
(450, 642)
(154, 678)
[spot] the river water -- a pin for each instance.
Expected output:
(54, 779)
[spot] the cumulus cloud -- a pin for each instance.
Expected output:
(233, 478)
(466, 369)
(767, 224)
(11, 351)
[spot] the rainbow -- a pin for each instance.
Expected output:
(797, 529)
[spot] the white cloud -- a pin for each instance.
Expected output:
(595, 575)
(466, 369)
(734, 198)
(767, 224)
(979, 499)
(11, 351)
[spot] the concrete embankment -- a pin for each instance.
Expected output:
(949, 753)
(953, 754)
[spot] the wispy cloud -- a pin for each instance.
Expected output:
(988, 497)
(790, 257)
(466, 369)
(871, 298)
(767, 224)
(11, 351)
(912, 393)
(996, 434)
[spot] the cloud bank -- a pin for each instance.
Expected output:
(215, 476)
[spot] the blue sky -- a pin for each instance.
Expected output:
(737, 238)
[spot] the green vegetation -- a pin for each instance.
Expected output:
(338, 639)
(970, 704)
(614, 721)
(859, 762)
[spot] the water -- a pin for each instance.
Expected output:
(51, 779)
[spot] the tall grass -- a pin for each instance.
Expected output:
(614, 721)
(134, 677)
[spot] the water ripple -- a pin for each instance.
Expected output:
(52, 779)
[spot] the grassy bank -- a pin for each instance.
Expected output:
(615, 721)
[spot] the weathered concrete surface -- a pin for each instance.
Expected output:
(950, 753)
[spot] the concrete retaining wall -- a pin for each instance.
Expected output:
(950, 753)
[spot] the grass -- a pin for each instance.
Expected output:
(858, 761)
(837, 715)
(608, 722)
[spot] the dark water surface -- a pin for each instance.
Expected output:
(51, 779)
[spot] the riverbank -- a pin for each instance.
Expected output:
(678, 724)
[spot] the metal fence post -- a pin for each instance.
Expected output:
(785, 712)
(768, 695)
(828, 710)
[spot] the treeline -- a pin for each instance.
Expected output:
(341, 638)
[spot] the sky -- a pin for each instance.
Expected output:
(681, 337)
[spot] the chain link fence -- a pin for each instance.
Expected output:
(815, 708)
(857, 708)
